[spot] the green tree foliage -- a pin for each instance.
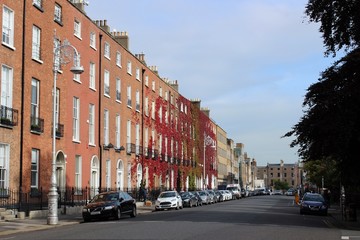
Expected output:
(322, 172)
(339, 22)
(330, 127)
(280, 185)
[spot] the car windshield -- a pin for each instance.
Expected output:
(167, 194)
(185, 194)
(315, 198)
(202, 193)
(106, 197)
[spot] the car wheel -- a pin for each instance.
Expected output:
(133, 212)
(118, 214)
(177, 206)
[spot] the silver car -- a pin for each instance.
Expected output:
(204, 197)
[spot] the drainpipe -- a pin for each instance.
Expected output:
(99, 110)
(142, 122)
(22, 102)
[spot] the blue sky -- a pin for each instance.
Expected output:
(249, 61)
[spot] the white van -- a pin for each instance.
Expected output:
(235, 189)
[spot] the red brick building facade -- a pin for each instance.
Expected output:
(118, 124)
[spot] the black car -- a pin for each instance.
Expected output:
(313, 203)
(189, 199)
(109, 205)
(199, 200)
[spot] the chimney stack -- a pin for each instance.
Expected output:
(121, 38)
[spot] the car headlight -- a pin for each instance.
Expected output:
(108, 207)
(85, 210)
(304, 205)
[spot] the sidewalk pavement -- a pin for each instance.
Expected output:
(335, 212)
(25, 225)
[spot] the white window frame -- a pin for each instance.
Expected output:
(8, 27)
(160, 92)
(146, 103)
(76, 119)
(128, 133)
(147, 81)
(118, 59)
(118, 89)
(78, 173)
(91, 124)
(4, 165)
(58, 13)
(93, 40)
(129, 67)
(137, 139)
(6, 86)
(35, 101)
(35, 160)
(106, 83)
(146, 141)
(36, 43)
(117, 130)
(76, 77)
(37, 3)
(128, 94)
(106, 127)
(153, 110)
(137, 74)
(137, 100)
(108, 174)
(107, 50)
(153, 85)
(77, 28)
(92, 72)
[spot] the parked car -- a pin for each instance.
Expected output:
(168, 200)
(235, 190)
(199, 200)
(227, 195)
(243, 193)
(204, 197)
(109, 204)
(313, 203)
(276, 192)
(220, 196)
(213, 198)
(290, 192)
(189, 199)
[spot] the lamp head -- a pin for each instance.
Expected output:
(77, 69)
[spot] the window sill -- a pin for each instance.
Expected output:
(8, 46)
(38, 60)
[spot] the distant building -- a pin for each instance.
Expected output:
(283, 172)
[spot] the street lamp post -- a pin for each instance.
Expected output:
(207, 141)
(59, 58)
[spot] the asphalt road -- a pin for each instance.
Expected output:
(261, 217)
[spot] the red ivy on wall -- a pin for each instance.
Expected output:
(181, 126)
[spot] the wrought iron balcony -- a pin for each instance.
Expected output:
(8, 116)
(37, 125)
(59, 130)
